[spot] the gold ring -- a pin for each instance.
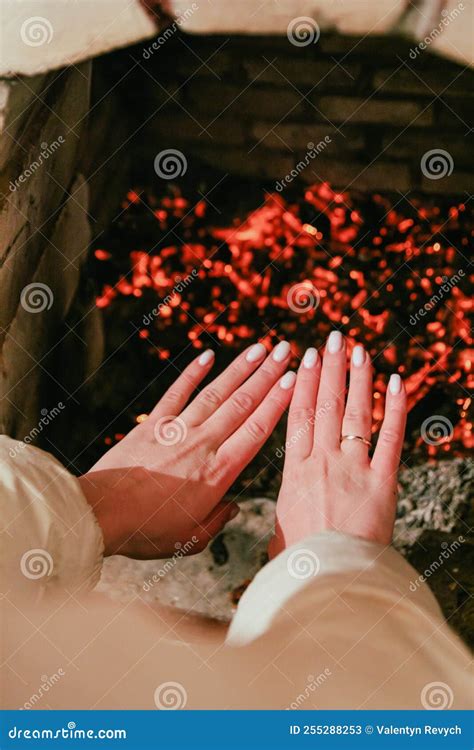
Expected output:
(357, 437)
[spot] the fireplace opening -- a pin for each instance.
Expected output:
(231, 221)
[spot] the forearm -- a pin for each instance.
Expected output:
(348, 610)
(328, 560)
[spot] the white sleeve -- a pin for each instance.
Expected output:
(49, 535)
(358, 616)
(325, 560)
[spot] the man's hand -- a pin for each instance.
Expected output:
(333, 485)
(160, 489)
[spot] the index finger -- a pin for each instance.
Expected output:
(177, 396)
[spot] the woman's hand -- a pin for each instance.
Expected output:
(328, 484)
(160, 489)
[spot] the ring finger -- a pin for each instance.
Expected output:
(358, 414)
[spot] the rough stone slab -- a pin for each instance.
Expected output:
(369, 110)
(413, 143)
(183, 128)
(285, 71)
(242, 101)
(32, 334)
(16, 98)
(29, 212)
(380, 175)
(444, 78)
(383, 48)
(297, 136)
(37, 37)
(437, 497)
(456, 114)
(58, 111)
(459, 183)
(211, 57)
(241, 162)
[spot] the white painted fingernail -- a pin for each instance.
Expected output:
(310, 358)
(358, 356)
(206, 357)
(256, 352)
(288, 380)
(395, 384)
(334, 342)
(281, 351)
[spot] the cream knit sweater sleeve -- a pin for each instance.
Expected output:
(49, 536)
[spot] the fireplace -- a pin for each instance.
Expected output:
(281, 192)
(231, 120)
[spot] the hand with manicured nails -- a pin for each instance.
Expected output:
(332, 485)
(160, 489)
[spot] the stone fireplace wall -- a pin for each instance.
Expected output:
(251, 105)
(44, 240)
(63, 170)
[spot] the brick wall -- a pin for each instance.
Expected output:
(250, 105)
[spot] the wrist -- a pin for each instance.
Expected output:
(97, 496)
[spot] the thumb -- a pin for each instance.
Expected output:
(216, 520)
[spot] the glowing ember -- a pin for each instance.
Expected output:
(396, 279)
